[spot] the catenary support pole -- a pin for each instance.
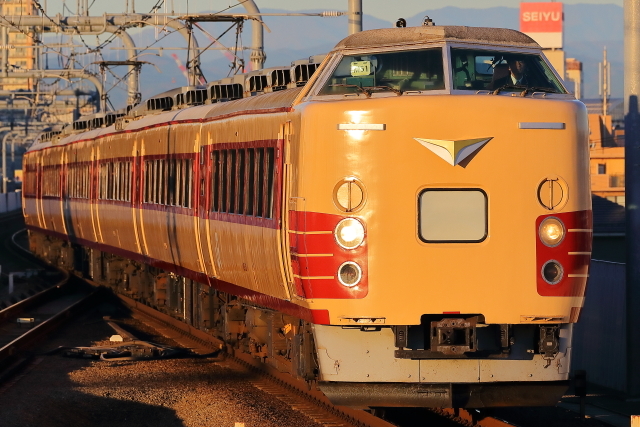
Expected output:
(355, 16)
(258, 57)
(632, 191)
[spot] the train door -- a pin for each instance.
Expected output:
(137, 196)
(95, 194)
(67, 217)
(286, 205)
(203, 196)
(39, 206)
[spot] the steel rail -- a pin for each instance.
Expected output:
(14, 310)
(34, 334)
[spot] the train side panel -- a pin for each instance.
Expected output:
(242, 241)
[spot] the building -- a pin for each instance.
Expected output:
(22, 54)
(573, 76)
(606, 145)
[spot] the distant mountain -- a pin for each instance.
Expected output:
(588, 28)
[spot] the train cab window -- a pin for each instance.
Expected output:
(485, 70)
(414, 70)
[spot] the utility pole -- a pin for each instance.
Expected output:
(632, 190)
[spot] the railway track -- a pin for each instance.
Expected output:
(27, 321)
(300, 396)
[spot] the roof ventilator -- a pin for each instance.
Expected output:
(303, 69)
(227, 89)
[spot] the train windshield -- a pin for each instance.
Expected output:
(485, 70)
(415, 70)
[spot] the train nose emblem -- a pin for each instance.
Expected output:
(454, 152)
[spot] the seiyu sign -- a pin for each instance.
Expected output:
(543, 22)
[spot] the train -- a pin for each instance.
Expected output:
(399, 223)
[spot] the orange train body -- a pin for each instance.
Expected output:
(411, 232)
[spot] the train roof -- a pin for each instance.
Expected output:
(416, 35)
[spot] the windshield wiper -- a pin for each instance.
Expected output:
(526, 89)
(540, 89)
(385, 87)
(360, 88)
(508, 86)
(369, 89)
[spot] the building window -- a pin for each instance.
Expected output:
(602, 169)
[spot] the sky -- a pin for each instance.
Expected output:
(386, 10)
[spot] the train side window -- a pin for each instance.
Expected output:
(156, 182)
(120, 179)
(260, 182)
(179, 182)
(251, 159)
(103, 181)
(171, 182)
(164, 182)
(233, 182)
(225, 180)
(145, 190)
(124, 180)
(129, 181)
(116, 181)
(182, 169)
(70, 181)
(241, 181)
(177, 165)
(269, 182)
(215, 185)
(189, 186)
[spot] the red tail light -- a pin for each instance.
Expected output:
(572, 256)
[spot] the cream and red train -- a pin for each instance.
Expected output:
(402, 229)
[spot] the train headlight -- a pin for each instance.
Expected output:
(349, 233)
(349, 274)
(551, 231)
(552, 272)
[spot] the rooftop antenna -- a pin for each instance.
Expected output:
(604, 82)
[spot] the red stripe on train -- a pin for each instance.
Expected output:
(316, 258)
(573, 253)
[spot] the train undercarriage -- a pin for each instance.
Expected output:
(287, 343)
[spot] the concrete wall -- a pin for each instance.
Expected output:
(599, 344)
(10, 202)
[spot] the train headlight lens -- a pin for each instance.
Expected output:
(349, 274)
(552, 272)
(551, 231)
(349, 233)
